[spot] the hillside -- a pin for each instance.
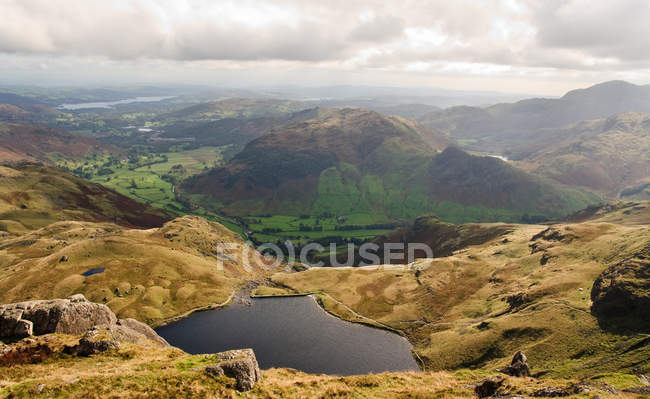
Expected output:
(33, 196)
(354, 161)
(607, 155)
(527, 288)
(150, 275)
(19, 141)
(501, 127)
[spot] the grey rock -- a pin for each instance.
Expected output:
(74, 315)
(239, 364)
(143, 329)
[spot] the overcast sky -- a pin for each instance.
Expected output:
(523, 46)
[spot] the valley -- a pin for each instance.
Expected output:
(158, 210)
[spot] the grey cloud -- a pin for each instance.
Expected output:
(379, 29)
(565, 34)
(617, 29)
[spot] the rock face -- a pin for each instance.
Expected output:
(238, 364)
(623, 290)
(74, 315)
(518, 367)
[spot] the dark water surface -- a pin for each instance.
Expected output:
(292, 332)
(96, 270)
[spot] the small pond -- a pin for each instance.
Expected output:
(96, 270)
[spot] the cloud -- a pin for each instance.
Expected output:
(568, 34)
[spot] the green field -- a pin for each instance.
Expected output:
(303, 229)
(150, 179)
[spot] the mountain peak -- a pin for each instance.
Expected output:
(612, 87)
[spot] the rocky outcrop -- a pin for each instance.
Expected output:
(623, 290)
(74, 315)
(518, 367)
(239, 364)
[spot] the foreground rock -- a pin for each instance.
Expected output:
(238, 364)
(518, 367)
(74, 316)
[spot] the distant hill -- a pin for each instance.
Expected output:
(33, 196)
(235, 132)
(348, 161)
(610, 155)
(15, 99)
(27, 141)
(234, 108)
(499, 127)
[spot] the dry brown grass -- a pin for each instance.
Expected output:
(142, 372)
(150, 275)
(456, 311)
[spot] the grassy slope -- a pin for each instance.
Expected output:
(150, 275)
(456, 311)
(139, 372)
(33, 196)
(20, 141)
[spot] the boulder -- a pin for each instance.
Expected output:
(143, 329)
(239, 364)
(518, 366)
(95, 341)
(74, 315)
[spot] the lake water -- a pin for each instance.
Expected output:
(111, 104)
(292, 332)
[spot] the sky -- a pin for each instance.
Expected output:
(517, 46)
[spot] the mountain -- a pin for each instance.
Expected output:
(356, 161)
(20, 141)
(610, 155)
(33, 196)
(500, 127)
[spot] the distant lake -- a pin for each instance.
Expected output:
(292, 332)
(111, 104)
